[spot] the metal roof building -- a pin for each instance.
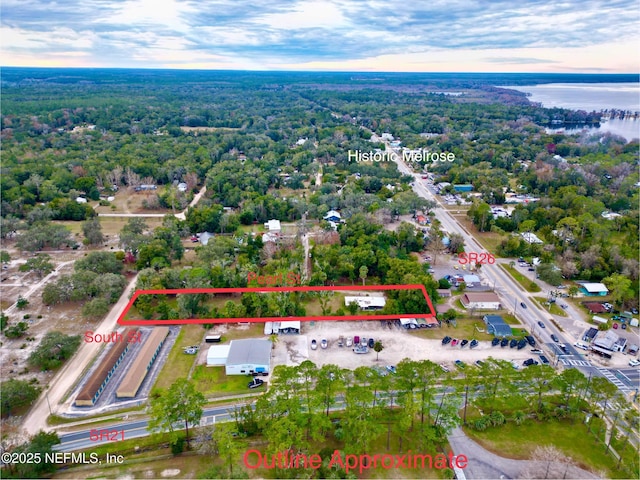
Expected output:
(497, 326)
(248, 355)
(101, 376)
(366, 303)
(130, 385)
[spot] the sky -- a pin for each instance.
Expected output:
(567, 36)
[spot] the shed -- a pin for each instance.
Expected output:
(217, 355)
(497, 326)
(463, 187)
(595, 307)
(291, 326)
(247, 356)
(598, 319)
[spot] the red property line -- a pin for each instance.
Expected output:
(177, 291)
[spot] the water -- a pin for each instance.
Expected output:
(591, 97)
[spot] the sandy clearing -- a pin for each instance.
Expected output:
(398, 344)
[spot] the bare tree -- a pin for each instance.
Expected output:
(132, 179)
(115, 176)
(548, 462)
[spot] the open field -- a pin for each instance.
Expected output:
(488, 240)
(179, 364)
(213, 382)
(553, 309)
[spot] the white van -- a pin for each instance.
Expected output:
(581, 345)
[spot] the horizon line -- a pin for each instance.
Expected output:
(373, 72)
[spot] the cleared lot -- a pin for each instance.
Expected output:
(398, 344)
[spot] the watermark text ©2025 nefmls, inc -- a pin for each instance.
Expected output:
(420, 155)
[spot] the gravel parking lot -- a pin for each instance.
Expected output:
(398, 344)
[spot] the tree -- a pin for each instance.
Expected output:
(54, 348)
(17, 394)
(219, 440)
(40, 264)
(456, 243)
(99, 262)
(42, 443)
(4, 257)
(92, 231)
(378, 347)
(181, 403)
(363, 273)
(620, 287)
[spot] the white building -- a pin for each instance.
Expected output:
(366, 303)
(481, 301)
(531, 238)
(273, 226)
(217, 355)
(248, 356)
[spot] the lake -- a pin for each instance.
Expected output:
(591, 97)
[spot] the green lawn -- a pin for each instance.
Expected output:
(213, 382)
(573, 439)
(178, 364)
(554, 310)
(528, 285)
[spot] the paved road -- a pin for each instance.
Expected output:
(63, 381)
(512, 294)
(484, 464)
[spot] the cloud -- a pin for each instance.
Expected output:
(261, 34)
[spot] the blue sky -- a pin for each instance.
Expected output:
(358, 35)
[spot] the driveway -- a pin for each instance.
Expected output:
(484, 464)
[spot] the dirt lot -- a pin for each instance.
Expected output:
(398, 344)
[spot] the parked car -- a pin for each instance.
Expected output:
(479, 363)
(473, 344)
(504, 342)
(371, 343)
(341, 341)
(495, 341)
(521, 344)
(454, 342)
(460, 364)
(554, 338)
(530, 340)
(463, 343)
(536, 350)
(356, 340)
(446, 340)
(391, 368)
(529, 361)
(544, 360)
(349, 341)
(324, 343)
(615, 325)
(314, 344)
(541, 325)
(634, 311)
(363, 341)
(190, 351)
(444, 367)
(513, 343)
(255, 383)
(624, 326)
(634, 363)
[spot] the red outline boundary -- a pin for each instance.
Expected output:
(137, 293)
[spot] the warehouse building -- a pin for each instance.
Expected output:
(142, 364)
(101, 376)
(250, 355)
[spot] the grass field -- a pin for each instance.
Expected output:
(572, 438)
(178, 364)
(554, 310)
(213, 382)
(528, 285)
(489, 240)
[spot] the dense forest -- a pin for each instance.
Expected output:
(257, 141)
